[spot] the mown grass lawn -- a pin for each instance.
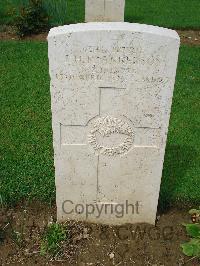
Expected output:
(180, 14)
(25, 132)
(26, 153)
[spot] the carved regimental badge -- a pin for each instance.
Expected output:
(109, 131)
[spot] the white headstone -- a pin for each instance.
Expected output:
(104, 10)
(111, 93)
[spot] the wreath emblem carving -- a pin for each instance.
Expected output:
(106, 127)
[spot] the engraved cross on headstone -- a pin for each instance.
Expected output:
(77, 134)
(104, 10)
(80, 135)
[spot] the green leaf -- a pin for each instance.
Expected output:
(193, 230)
(192, 248)
(187, 249)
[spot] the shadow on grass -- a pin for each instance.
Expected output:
(178, 159)
(134, 19)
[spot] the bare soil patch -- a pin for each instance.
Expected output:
(190, 37)
(139, 244)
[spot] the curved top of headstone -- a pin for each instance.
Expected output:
(119, 26)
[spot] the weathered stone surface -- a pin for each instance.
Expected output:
(104, 10)
(111, 93)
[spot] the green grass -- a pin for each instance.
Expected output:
(180, 14)
(52, 239)
(176, 14)
(181, 175)
(26, 169)
(60, 11)
(26, 153)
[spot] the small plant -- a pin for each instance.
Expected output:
(192, 248)
(17, 238)
(17, 235)
(52, 238)
(32, 19)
